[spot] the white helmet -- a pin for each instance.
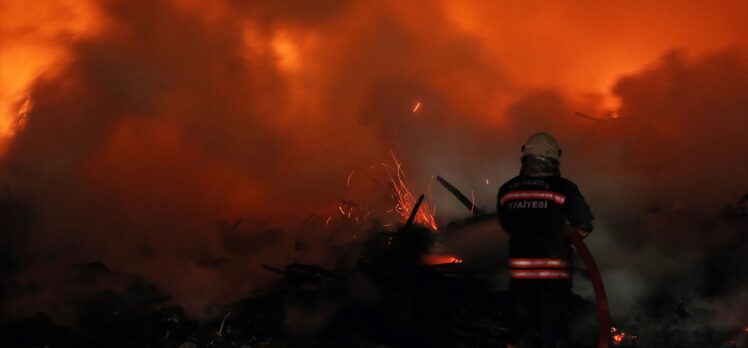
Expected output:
(542, 144)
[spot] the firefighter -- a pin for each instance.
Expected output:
(534, 208)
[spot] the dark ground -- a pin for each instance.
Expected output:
(387, 298)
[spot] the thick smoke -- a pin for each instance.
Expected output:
(177, 119)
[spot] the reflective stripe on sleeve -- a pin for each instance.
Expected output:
(548, 195)
(539, 274)
(537, 263)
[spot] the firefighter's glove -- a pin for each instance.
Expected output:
(582, 233)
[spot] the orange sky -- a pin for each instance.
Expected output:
(581, 46)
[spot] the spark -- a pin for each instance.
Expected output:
(220, 330)
(348, 181)
(417, 107)
(347, 213)
(472, 207)
(404, 198)
(327, 222)
(487, 181)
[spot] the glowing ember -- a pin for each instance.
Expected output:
(417, 107)
(620, 337)
(617, 336)
(431, 260)
(404, 198)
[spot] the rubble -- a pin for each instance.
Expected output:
(387, 298)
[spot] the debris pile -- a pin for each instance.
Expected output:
(405, 288)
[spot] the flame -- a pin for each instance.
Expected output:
(432, 259)
(619, 337)
(31, 48)
(404, 198)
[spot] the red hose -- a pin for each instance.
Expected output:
(603, 310)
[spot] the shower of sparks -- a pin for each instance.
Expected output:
(404, 198)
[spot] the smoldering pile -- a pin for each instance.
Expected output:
(379, 290)
(383, 291)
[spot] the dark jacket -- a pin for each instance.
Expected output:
(534, 207)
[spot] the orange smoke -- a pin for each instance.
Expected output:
(35, 44)
(580, 48)
(584, 48)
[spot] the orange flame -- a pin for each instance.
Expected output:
(431, 259)
(31, 48)
(404, 198)
(619, 337)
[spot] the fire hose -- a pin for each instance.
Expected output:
(601, 297)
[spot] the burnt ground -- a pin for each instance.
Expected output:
(387, 298)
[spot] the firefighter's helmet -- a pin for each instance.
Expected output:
(542, 144)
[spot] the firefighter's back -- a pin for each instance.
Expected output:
(533, 209)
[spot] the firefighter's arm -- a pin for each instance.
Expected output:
(500, 211)
(577, 210)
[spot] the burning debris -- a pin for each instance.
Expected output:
(405, 287)
(622, 338)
